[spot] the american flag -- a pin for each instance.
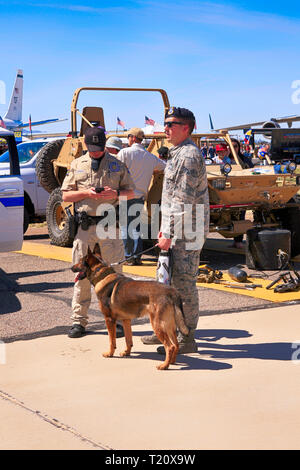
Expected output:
(149, 121)
(120, 123)
(2, 123)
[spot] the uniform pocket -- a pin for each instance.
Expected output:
(80, 175)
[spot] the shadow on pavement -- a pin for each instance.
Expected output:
(215, 335)
(185, 362)
(18, 275)
(8, 290)
(266, 351)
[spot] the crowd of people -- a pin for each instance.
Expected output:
(220, 153)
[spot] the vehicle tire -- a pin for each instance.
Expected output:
(57, 221)
(290, 220)
(25, 220)
(44, 165)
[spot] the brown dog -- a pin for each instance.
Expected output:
(122, 298)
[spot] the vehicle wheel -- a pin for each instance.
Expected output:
(44, 165)
(57, 221)
(26, 220)
(290, 219)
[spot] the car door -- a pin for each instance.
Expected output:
(11, 200)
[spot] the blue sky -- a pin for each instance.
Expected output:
(236, 61)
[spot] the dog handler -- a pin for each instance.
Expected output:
(185, 199)
(95, 169)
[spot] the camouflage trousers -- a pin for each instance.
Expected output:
(112, 251)
(184, 276)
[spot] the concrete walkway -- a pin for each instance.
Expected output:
(240, 391)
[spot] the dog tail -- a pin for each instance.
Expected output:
(179, 317)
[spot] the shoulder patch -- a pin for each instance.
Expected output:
(114, 166)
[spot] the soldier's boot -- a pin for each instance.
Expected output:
(150, 339)
(187, 344)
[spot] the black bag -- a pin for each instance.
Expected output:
(72, 222)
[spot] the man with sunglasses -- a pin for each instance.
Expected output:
(185, 198)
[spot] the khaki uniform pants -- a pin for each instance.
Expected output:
(112, 251)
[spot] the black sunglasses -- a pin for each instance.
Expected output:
(171, 123)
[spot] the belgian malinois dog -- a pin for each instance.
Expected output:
(122, 298)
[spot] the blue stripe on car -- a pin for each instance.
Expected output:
(12, 201)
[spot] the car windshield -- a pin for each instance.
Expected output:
(26, 151)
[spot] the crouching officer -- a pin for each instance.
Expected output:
(95, 169)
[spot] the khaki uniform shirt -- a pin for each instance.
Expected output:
(111, 172)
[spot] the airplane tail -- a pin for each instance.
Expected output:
(14, 111)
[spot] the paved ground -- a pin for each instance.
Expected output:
(240, 391)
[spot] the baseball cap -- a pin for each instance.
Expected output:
(137, 132)
(95, 139)
(114, 142)
(220, 147)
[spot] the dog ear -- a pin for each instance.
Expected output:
(89, 251)
(97, 250)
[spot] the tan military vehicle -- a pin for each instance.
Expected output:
(270, 198)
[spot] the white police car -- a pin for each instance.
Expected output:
(11, 199)
(35, 196)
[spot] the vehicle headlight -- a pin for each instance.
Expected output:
(226, 169)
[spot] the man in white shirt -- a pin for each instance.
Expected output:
(141, 165)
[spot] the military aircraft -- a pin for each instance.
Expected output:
(12, 120)
(273, 123)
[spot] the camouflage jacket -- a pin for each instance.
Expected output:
(185, 202)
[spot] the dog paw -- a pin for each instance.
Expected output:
(125, 353)
(162, 366)
(107, 354)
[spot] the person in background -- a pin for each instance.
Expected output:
(244, 157)
(247, 163)
(222, 156)
(263, 151)
(141, 165)
(204, 150)
(114, 145)
(211, 152)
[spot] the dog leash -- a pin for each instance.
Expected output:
(141, 253)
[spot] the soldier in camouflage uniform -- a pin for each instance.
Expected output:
(185, 217)
(95, 169)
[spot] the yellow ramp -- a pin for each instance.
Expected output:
(148, 269)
